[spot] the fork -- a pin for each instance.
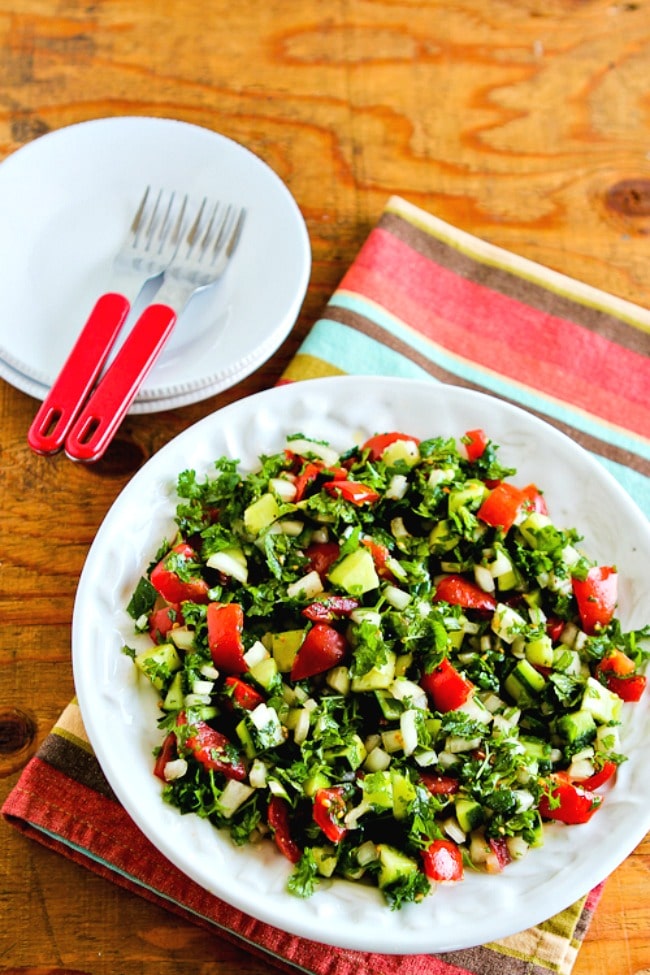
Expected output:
(145, 253)
(200, 260)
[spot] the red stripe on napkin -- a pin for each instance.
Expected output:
(503, 334)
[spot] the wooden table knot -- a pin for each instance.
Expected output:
(630, 197)
(17, 738)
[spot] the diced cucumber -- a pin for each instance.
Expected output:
(393, 865)
(442, 537)
(354, 752)
(378, 790)
(604, 705)
(539, 651)
(469, 814)
(284, 647)
(390, 708)
(355, 573)
(468, 495)
(377, 678)
(578, 729)
(265, 672)
(232, 562)
(405, 451)
(159, 663)
(314, 782)
(507, 623)
(261, 513)
(524, 683)
(325, 858)
(403, 794)
(535, 748)
(175, 695)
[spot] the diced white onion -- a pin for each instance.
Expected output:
(232, 562)
(256, 654)
(367, 853)
(284, 488)
(409, 728)
(397, 487)
(398, 598)
(307, 586)
(377, 760)
(209, 671)
(233, 796)
(453, 830)
(175, 769)
(203, 687)
(483, 578)
(312, 448)
(257, 774)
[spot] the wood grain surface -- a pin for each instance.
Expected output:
(526, 122)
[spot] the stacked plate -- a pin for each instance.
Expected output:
(67, 200)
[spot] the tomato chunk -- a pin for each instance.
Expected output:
(569, 803)
(323, 648)
(438, 784)
(312, 470)
(322, 555)
(600, 778)
(596, 597)
(446, 687)
(501, 506)
(330, 608)
(617, 672)
(242, 693)
(161, 621)
(168, 577)
(225, 625)
(214, 751)
(278, 817)
(352, 491)
(328, 812)
(534, 499)
(475, 443)
(442, 862)
(168, 752)
(458, 591)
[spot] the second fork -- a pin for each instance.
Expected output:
(200, 260)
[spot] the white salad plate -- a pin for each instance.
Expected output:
(120, 712)
(67, 200)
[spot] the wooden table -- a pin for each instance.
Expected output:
(522, 121)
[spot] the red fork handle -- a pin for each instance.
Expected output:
(100, 418)
(58, 410)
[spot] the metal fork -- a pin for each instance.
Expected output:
(200, 260)
(145, 253)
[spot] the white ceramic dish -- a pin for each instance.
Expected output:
(67, 199)
(120, 713)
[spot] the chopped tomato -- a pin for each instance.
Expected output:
(278, 819)
(352, 491)
(446, 687)
(310, 471)
(442, 862)
(599, 778)
(322, 648)
(617, 672)
(380, 556)
(330, 608)
(214, 751)
(475, 443)
(555, 628)
(328, 812)
(168, 752)
(628, 688)
(534, 500)
(596, 597)
(242, 693)
(322, 555)
(438, 784)
(501, 506)
(377, 445)
(225, 624)
(617, 662)
(169, 579)
(568, 802)
(499, 856)
(161, 621)
(458, 591)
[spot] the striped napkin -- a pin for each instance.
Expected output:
(422, 300)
